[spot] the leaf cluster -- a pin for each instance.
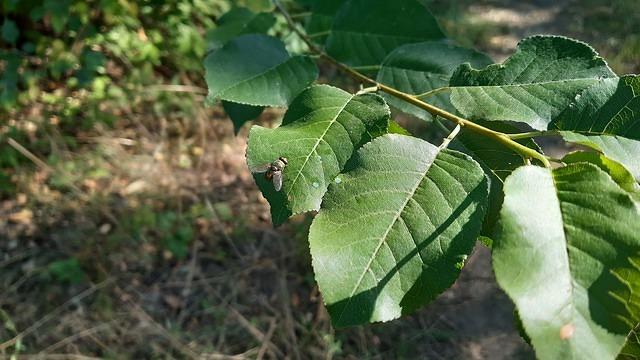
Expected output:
(398, 216)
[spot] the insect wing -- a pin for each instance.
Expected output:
(277, 180)
(260, 168)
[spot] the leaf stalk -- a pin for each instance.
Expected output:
(500, 137)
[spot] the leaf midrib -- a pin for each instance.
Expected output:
(524, 84)
(574, 310)
(320, 138)
(383, 238)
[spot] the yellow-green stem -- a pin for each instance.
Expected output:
(502, 138)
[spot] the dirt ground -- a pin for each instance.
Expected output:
(155, 243)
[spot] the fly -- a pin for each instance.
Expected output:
(273, 171)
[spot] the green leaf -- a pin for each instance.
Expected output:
(496, 160)
(534, 86)
(616, 170)
(423, 67)
(623, 150)
(364, 32)
(10, 31)
(238, 21)
(395, 231)
(611, 106)
(240, 113)
(257, 70)
(567, 252)
(319, 133)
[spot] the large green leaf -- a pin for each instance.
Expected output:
(567, 251)
(365, 31)
(238, 21)
(422, 67)
(319, 133)
(257, 70)
(395, 231)
(533, 86)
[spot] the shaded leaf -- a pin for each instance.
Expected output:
(419, 68)
(496, 160)
(606, 117)
(567, 252)
(322, 14)
(319, 133)
(10, 31)
(240, 113)
(257, 70)
(395, 231)
(238, 21)
(612, 106)
(533, 86)
(365, 31)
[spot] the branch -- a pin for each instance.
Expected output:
(502, 138)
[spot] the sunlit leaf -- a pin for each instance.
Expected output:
(395, 231)
(533, 86)
(567, 252)
(319, 133)
(616, 170)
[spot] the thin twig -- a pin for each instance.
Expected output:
(29, 155)
(74, 337)
(267, 339)
(53, 314)
(254, 331)
(143, 316)
(178, 88)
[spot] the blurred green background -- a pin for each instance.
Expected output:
(130, 226)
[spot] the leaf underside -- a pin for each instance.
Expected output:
(567, 251)
(394, 231)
